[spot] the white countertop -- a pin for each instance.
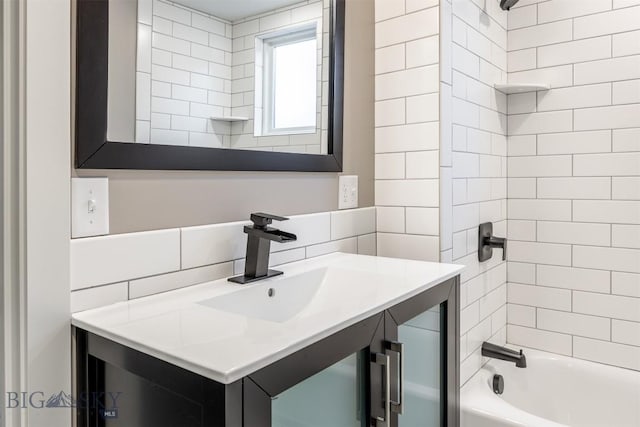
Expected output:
(225, 346)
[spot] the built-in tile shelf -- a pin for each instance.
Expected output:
(511, 88)
(230, 118)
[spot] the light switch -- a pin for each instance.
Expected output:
(89, 207)
(347, 191)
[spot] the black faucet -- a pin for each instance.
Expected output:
(259, 239)
(487, 242)
(503, 353)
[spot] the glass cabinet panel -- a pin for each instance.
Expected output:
(332, 397)
(422, 370)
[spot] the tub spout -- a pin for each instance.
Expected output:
(503, 353)
(522, 361)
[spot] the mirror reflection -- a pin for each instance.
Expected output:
(235, 74)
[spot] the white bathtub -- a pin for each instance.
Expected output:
(553, 391)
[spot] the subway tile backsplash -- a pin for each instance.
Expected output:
(110, 259)
(109, 269)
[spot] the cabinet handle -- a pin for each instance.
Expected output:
(384, 361)
(398, 347)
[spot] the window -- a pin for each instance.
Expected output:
(287, 81)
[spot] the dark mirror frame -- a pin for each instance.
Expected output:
(94, 151)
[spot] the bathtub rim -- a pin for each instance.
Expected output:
(489, 406)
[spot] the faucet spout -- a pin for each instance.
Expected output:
(269, 233)
(503, 353)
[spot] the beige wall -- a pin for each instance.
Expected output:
(141, 200)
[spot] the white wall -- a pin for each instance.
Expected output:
(47, 116)
(476, 163)
(574, 180)
(407, 129)
(13, 237)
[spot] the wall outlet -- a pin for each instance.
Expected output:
(89, 207)
(347, 191)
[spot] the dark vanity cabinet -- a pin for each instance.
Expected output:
(399, 367)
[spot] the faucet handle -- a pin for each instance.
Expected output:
(261, 220)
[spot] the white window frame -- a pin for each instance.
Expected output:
(265, 78)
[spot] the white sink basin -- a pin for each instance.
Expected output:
(226, 331)
(275, 301)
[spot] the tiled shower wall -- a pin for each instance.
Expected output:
(475, 159)
(110, 269)
(407, 128)
(441, 148)
(574, 180)
(183, 76)
(244, 79)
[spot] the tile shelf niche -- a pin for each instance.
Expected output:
(511, 88)
(230, 118)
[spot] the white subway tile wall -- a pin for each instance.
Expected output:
(474, 154)
(109, 269)
(184, 76)
(192, 67)
(574, 180)
(407, 115)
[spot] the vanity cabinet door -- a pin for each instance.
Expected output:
(421, 342)
(328, 384)
(332, 397)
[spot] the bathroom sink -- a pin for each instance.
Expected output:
(225, 331)
(276, 300)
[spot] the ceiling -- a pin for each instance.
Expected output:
(232, 10)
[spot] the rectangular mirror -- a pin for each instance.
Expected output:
(210, 84)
